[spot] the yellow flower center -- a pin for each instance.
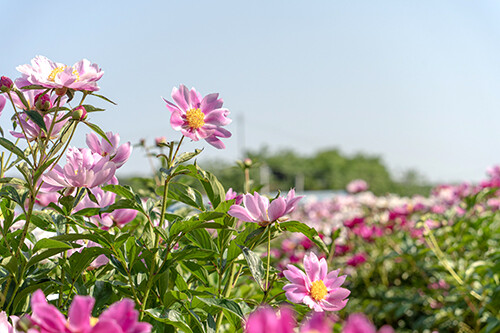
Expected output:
(59, 70)
(93, 321)
(195, 118)
(318, 290)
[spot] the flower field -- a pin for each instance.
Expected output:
(80, 252)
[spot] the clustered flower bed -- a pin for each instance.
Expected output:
(82, 253)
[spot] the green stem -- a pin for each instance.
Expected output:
(157, 237)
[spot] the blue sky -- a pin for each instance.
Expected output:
(416, 82)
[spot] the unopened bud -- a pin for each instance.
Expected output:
(42, 102)
(24, 324)
(248, 162)
(6, 84)
(79, 113)
(61, 91)
(160, 141)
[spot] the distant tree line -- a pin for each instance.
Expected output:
(326, 170)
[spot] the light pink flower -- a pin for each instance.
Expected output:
(83, 169)
(238, 198)
(33, 131)
(121, 317)
(356, 186)
(115, 152)
(118, 217)
(316, 288)
(265, 320)
(81, 76)
(258, 209)
(199, 118)
(5, 326)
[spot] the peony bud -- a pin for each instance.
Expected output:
(79, 113)
(42, 102)
(6, 84)
(24, 324)
(160, 141)
(61, 91)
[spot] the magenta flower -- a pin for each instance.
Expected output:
(258, 209)
(2, 103)
(81, 76)
(316, 288)
(359, 323)
(265, 320)
(317, 323)
(116, 153)
(83, 169)
(121, 317)
(357, 259)
(197, 117)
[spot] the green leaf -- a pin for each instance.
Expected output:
(41, 169)
(123, 191)
(255, 265)
(12, 180)
(311, 233)
(37, 118)
(104, 98)
(44, 255)
(13, 148)
(22, 98)
(214, 189)
(48, 243)
(170, 316)
(186, 194)
(224, 304)
(184, 157)
(98, 130)
(91, 108)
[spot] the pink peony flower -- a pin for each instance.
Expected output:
(199, 118)
(81, 76)
(116, 153)
(258, 209)
(317, 323)
(83, 169)
(2, 103)
(265, 320)
(356, 186)
(238, 198)
(119, 217)
(359, 323)
(32, 130)
(316, 288)
(121, 317)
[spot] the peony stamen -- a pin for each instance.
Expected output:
(195, 118)
(318, 290)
